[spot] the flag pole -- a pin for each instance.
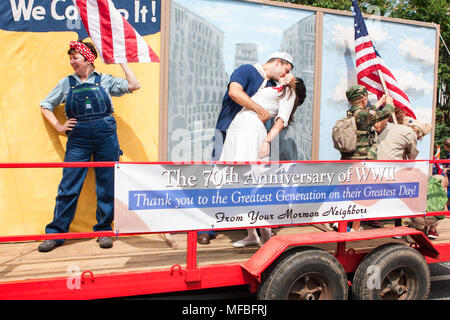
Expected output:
(394, 118)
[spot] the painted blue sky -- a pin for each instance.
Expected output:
(246, 22)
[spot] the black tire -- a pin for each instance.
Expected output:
(392, 272)
(305, 274)
(285, 255)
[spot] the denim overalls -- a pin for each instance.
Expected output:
(95, 135)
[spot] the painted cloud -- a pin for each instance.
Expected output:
(344, 36)
(412, 83)
(417, 50)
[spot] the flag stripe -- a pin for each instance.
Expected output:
(106, 31)
(114, 38)
(153, 56)
(360, 45)
(93, 28)
(372, 80)
(364, 52)
(131, 44)
(387, 72)
(367, 68)
(370, 58)
(83, 11)
(143, 51)
(119, 40)
(376, 88)
(391, 87)
(372, 86)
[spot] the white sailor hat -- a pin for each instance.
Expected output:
(282, 55)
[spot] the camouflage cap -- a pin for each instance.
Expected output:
(355, 92)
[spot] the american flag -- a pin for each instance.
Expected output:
(369, 62)
(114, 38)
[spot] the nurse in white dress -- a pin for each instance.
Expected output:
(247, 138)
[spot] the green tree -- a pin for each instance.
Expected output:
(435, 11)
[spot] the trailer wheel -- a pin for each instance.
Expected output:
(392, 272)
(310, 274)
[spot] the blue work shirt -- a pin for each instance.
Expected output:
(113, 86)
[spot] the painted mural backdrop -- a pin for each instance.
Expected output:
(35, 35)
(407, 50)
(211, 38)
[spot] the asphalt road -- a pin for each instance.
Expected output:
(440, 281)
(440, 289)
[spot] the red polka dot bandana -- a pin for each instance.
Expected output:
(83, 50)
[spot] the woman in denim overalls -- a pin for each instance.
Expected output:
(92, 132)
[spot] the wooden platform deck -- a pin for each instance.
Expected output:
(22, 261)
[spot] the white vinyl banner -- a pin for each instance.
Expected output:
(181, 197)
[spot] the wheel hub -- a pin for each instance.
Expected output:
(396, 284)
(311, 286)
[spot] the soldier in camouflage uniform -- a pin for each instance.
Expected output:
(436, 201)
(366, 117)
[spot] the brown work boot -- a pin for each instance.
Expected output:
(105, 242)
(48, 245)
(203, 239)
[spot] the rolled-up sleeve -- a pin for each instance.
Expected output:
(286, 105)
(117, 86)
(57, 96)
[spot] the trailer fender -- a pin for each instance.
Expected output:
(274, 248)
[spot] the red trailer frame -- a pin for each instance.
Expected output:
(192, 277)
